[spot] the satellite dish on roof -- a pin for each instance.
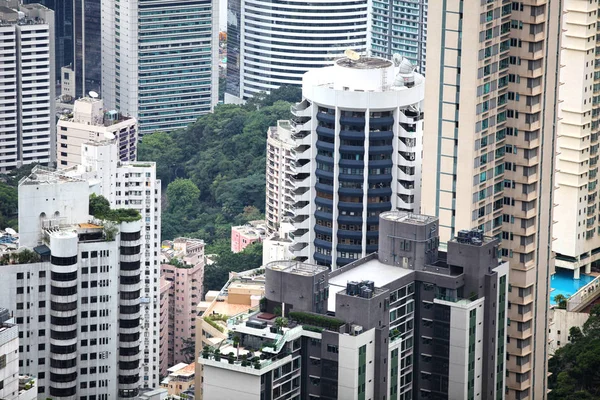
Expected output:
(352, 55)
(93, 94)
(11, 231)
(109, 136)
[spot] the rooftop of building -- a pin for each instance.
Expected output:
(473, 237)
(282, 132)
(297, 268)
(253, 229)
(14, 14)
(408, 218)
(367, 268)
(41, 175)
(364, 63)
(182, 369)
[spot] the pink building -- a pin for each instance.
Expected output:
(165, 287)
(183, 267)
(244, 235)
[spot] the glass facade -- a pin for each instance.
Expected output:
(400, 26)
(174, 64)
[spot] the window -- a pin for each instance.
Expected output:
(3, 361)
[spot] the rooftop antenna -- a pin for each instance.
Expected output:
(93, 94)
(352, 55)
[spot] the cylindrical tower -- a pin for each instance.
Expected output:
(63, 315)
(277, 41)
(358, 138)
(129, 309)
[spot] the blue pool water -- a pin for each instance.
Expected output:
(563, 283)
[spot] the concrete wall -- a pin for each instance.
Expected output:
(222, 383)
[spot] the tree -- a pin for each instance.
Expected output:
(575, 367)
(99, 205)
(161, 148)
(189, 350)
(216, 275)
(561, 301)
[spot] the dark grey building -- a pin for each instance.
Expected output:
(78, 41)
(410, 322)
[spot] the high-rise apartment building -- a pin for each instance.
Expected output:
(399, 27)
(183, 266)
(492, 70)
(133, 185)
(88, 123)
(27, 121)
(407, 323)
(358, 140)
(9, 356)
(280, 190)
(159, 61)
(78, 41)
(576, 197)
(76, 296)
(268, 47)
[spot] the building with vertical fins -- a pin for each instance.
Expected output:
(491, 101)
(27, 116)
(74, 285)
(159, 61)
(409, 322)
(358, 133)
(400, 28)
(301, 36)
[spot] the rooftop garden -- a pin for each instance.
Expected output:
(317, 320)
(100, 208)
(212, 321)
(24, 256)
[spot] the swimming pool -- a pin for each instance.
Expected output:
(563, 283)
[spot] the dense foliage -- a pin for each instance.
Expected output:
(575, 367)
(9, 196)
(100, 208)
(214, 171)
(217, 274)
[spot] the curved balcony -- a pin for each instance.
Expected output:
(380, 178)
(349, 206)
(382, 206)
(324, 230)
(406, 187)
(381, 135)
(301, 207)
(301, 222)
(323, 244)
(321, 145)
(354, 248)
(352, 149)
(407, 158)
(408, 128)
(301, 109)
(387, 149)
(301, 166)
(297, 247)
(325, 160)
(299, 235)
(325, 132)
(354, 121)
(351, 178)
(346, 191)
(381, 121)
(322, 258)
(349, 234)
(406, 173)
(350, 219)
(407, 144)
(324, 117)
(324, 215)
(372, 249)
(352, 135)
(324, 174)
(344, 163)
(299, 124)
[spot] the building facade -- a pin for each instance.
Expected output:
(491, 114)
(182, 266)
(88, 123)
(165, 287)
(358, 140)
(302, 35)
(133, 185)
(164, 80)
(578, 127)
(27, 124)
(400, 27)
(280, 159)
(428, 324)
(77, 299)
(243, 236)
(78, 41)
(9, 356)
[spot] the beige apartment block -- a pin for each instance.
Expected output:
(489, 146)
(576, 196)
